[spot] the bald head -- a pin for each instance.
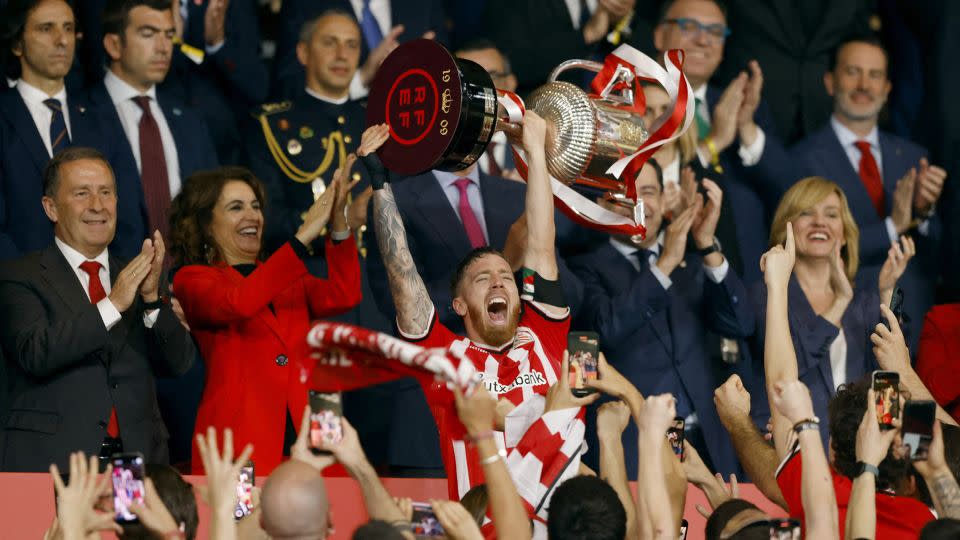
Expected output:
(294, 502)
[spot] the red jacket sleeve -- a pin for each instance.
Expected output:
(934, 364)
(341, 290)
(208, 299)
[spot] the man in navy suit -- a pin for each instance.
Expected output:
(728, 116)
(138, 38)
(382, 22)
(892, 188)
(216, 70)
(39, 118)
(652, 303)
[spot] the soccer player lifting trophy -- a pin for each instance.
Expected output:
(442, 112)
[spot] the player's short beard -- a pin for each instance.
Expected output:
(494, 335)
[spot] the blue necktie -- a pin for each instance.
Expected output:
(370, 27)
(59, 139)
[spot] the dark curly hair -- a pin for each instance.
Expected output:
(586, 508)
(192, 211)
(846, 411)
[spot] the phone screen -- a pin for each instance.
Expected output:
(918, 418)
(583, 349)
(785, 529)
(683, 529)
(425, 523)
(886, 386)
(245, 485)
(127, 480)
(896, 304)
(325, 413)
(675, 436)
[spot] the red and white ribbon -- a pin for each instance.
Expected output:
(667, 128)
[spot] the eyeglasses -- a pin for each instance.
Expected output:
(691, 28)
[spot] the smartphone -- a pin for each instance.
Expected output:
(683, 529)
(325, 413)
(127, 481)
(918, 418)
(245, 484)
(784, 529)
(886, 386)
(424, 522)
(583, 349)
(896, 304)
(675, 436)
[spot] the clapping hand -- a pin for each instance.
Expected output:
(842, 288)
(704, 225)
(675, 238)
(898, 256)
(344, 185)
(929, 186)
(214, 22)
(901, 209)
(372, 139)
(150, 287)
(777, 263)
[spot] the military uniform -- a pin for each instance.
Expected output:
(294, 147)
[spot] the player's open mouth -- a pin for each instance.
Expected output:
(497, 310)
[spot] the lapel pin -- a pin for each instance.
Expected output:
(177, 111)
(283, 124)
(306, 132)
(294, 147)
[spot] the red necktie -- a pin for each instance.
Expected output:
(469, 219)
(153, 169)
(97, 293)
(870, 176)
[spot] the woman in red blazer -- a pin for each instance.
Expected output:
(939, 356)
(250, 316)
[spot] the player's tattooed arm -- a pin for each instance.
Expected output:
(946, 494)
(410, 296)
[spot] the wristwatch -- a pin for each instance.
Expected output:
(712, 248)
(866, 467)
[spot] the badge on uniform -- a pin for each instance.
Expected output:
(306, 132)
(294, 147)
(283, 124)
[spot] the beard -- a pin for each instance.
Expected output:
(490, 334)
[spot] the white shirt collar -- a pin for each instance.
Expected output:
(325, 99)
(121, 91)
(847, 137)
(701, 93)
(34, 95)
(75, 258)
(627, 250)
(447, 179)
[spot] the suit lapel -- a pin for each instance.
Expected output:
(498, 223)
(62, 279)
(833, 160)
(19, 118)
(174, 117)
(118, 334)
(891, 154)
(435, 209)
(802, 316)
(266, 316)
(622, 274)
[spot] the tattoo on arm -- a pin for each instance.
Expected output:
(947, 492)
(410, 296)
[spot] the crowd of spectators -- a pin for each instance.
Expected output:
(186, 186)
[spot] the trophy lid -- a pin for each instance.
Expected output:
(441, 110)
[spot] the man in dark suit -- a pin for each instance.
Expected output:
(891, 187)
(725, 117)
(652, 304)
(216, 69)
(138, 38)
(38, 118)
(382, 23)
(83, 333)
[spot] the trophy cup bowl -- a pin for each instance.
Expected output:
(443, 110)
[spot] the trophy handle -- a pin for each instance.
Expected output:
(622, 74)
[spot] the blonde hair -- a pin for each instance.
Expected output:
(687, 145)
(804, 195)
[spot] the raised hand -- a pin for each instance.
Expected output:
(657, 414)
(612, 418)
(792, 400)
(901, 209)
(898, 256)
(344, 184)
(76, 515)
(675, 238)
(534, 132)
(221, 470)
(150, 287)
(705, 222)
(930, 181)
(751, 96)
(214, 21)
(838, 275)
(873, 444)
(457, 523)
(560, 397)
(125, 288)
(724, 117)
(300, 450)
(477, 411)
(777, 263)
(618, 9)
(372, 139)
(379, 53)
(357, 211)
(153, 514)
(889, 347)
(732, 400)
(318, 215)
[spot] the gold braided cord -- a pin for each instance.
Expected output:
(334, 140)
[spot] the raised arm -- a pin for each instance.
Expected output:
(654, 505)
(872, 446)
(779, 356)
(939, 478)
(410, 296)
(539, 254)
(612, 419)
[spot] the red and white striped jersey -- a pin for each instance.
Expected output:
(520, 370)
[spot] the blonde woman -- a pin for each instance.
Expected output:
(830, 319)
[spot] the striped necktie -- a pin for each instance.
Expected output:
(59, 138)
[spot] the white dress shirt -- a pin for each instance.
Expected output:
(749, 155)
(447, 179)
(497, 149)
(108, 312)
(33, 97)
(715, 274)
(325, 99)
(573, 6)
(122, 95)
(848, 141)
(838, 359)
(381, 12)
